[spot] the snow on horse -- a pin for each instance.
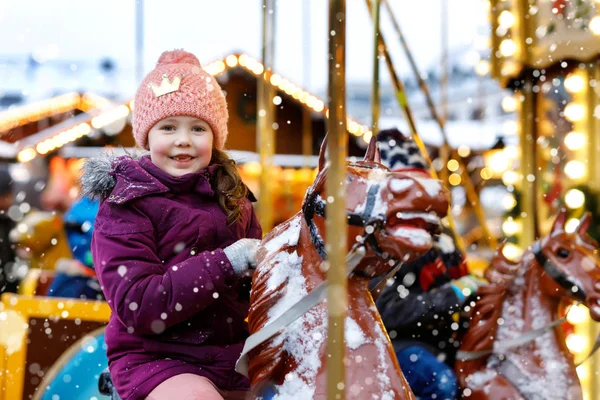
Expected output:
(515, 348)
(391, 215)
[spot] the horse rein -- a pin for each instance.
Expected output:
(563, 281)
(299, 308)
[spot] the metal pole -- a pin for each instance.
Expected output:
(306, 112)
(528, 164)
(139, 41)
(528, 134)
(593, 72)
(495, 58)
(336, 240)
(375, 89)
(469, 186)
(265, 142)
(444, 152)
(444, 40)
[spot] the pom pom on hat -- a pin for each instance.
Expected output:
(177, 57)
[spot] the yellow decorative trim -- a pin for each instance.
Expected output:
(15, 308)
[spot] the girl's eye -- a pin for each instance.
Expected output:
(168, 128)
(198, 129)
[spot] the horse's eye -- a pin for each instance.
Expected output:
(563, 253)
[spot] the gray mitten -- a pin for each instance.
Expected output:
(242, 254)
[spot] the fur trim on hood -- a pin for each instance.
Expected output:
(97, 180)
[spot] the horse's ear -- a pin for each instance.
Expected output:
(584, 224)
(561, 218)
(322, 160)
(372, 151)
(377, 154)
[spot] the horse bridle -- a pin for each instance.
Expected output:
(557, 275)
(315, 205)
(561, 279)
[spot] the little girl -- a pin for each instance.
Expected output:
(174, 239)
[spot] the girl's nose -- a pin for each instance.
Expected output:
(182, 140)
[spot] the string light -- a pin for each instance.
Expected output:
(506, 19)
(571, 225)
(498, 162)
(511, 251)
(452, 165)
(482, 68)
(510, 178)
(231, 60)
(511, 227)
(454, 179)
(508, 47)
(33, 112)
(311, 101)
(509, 104)
(575, 140)
(574, 83)
(508, 201)
(574, 198)
(574, 112)
(26, 155)
(595, 25)
(575, 169)
(486, 173)
(464, 150)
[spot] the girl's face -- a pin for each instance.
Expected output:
(180, 145)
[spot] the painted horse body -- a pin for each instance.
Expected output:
(522, 297)
(398, 211)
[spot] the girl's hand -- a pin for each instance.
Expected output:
(242, 255)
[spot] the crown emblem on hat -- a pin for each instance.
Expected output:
(166, 86)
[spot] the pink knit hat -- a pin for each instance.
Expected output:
(197, 95)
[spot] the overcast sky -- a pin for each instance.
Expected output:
(86, 29)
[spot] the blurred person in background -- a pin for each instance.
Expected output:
(8, 283)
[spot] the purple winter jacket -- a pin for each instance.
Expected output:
(177, 305)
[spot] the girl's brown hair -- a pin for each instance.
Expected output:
(229, 188)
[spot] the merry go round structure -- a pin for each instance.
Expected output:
(54, 347)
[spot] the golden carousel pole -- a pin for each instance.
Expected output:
(444, 150)
(375, 88)
(593, 162)
(336, 208)
(527, 137)
(265, 136)
(306, 111)
(472, 195)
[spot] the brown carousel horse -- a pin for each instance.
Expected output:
(514, 348)
(391, 216)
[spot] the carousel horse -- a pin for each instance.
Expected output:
(514, 348)
(391, 216)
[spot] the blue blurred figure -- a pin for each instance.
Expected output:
(75, 277)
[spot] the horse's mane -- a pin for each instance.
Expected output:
(268, 358)
(484, 316)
